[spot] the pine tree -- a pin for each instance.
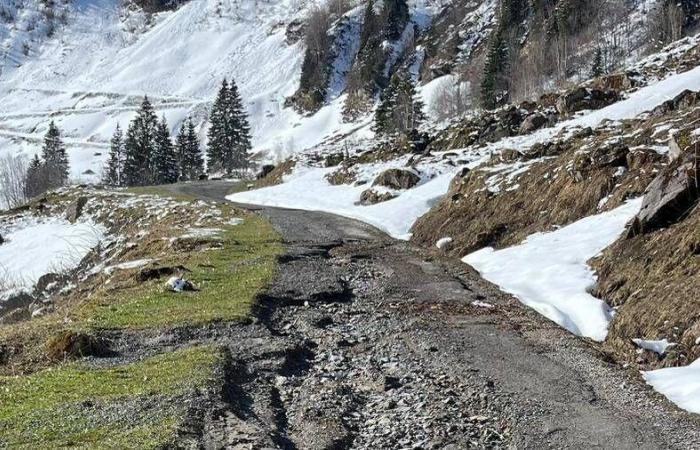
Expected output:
(188, 152)
(55, 157)
(492, 84)
(115, 165)
(36, 181)
(239, 132)
(217, 139)
(400, 110)
(139, 163)
(229, 132)
(597, 67)
(166, 168)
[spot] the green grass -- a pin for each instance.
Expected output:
(69, 405)
(228, 280)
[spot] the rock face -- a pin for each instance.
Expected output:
(75, 209)
(668, 197)
(372, 197)
(683, 100)
(397, 179)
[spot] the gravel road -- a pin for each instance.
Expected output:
(367, 342)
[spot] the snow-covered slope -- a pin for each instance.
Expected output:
(91, 74)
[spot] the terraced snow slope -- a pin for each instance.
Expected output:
(95, 69)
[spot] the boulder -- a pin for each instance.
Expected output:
(49, 283)
(75, 209)
(666, 199)
(372, 197)
(509, 155)
(397, 179)
(265, 171)
(581, 98)
(533, 122)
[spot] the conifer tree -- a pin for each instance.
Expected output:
(166, 168)
(36, 181)
(115, 165)
(229, 133)
(492, 84)
(217, 139)
(139, 163)
(400, 110)
(240, 131)
(55, 157)
(189, 153)
(597, 67)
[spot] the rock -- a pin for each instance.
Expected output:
(397, 179)
(617, 81)
(295, 31)
(265, 171)
(667, 198)
(71, 344)
(75, 209)
(89, 172)
(177, 284)
(154, 273)
(372, 197)
(674, 149)
(49, 283)
(2, 240)
(509, 155)
(683, 100)
(581, 98)
(533, 122)
(19, 300)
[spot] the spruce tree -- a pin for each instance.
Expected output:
(166, 168)
(400, 110)
(115, 165)
(492, 84)
(139, 164)
(217, 139)
(229, 132)
(55, 157)
(181, 151)
(189, 153)
(36, 182)
(239, 132)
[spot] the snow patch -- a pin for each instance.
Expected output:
(548, 271)
(681, 385)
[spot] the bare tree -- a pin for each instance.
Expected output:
(666, 23)
(452, 99)
(13, 179)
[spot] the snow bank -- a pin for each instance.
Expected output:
(681, 385)
(659, 347)
(34, 248)
(308, 189)
(548, 271)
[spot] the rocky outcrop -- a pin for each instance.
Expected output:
(533, 122)
(683, 100)
(668, 198)
(397, 179)
(581, 98)
(372, 197)
(75, 209)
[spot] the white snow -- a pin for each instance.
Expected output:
(36, 247)
(128, 265)
(548, 271)
(659, 346)
(681, 385)
(308, 189)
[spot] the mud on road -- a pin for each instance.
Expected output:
(367, 342)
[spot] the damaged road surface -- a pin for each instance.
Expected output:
(367, 342)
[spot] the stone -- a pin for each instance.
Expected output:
(372, 197)
(48, 283)
(397, 179)
(666, 199)
(75, 209)
(265, 171)
(533, 122)
(581, 98)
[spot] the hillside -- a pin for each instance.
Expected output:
(408, 224)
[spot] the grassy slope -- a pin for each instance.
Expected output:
(58, 404)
